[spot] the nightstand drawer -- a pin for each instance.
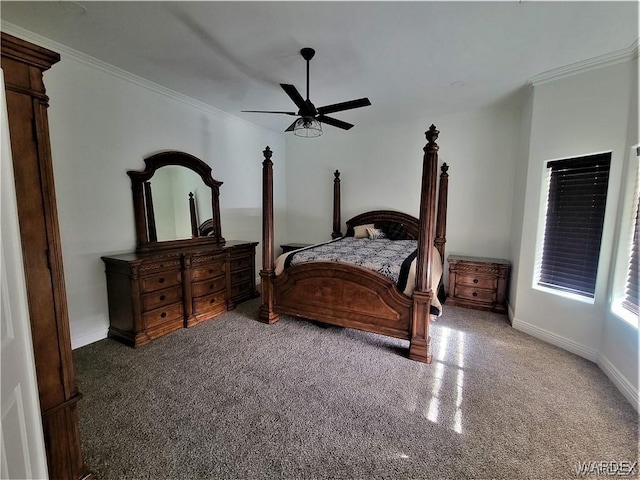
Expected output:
(476, 294)
(477, 281)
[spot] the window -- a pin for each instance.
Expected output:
(632, 254)
(573, 226)
(633, 285)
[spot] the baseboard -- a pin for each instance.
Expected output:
(91, 337)
(619, 380)
(557, 340)
(510, 313)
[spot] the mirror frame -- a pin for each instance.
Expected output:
(143, 210)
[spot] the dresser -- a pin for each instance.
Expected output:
(477, 282)
(153, 294)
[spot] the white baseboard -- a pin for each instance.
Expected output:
(510, 313)
(87, 338)
(557, 340)
(609, 369)
(624, 385)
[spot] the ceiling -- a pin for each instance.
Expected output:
(406, 57)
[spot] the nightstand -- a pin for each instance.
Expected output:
(289, 247)
(479, 283)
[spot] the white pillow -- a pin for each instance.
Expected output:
(360, 231)
(375, 233)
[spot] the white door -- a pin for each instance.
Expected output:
(21, 441)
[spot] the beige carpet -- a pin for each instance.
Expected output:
(233, 398)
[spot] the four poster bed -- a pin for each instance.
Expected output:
(343, 294)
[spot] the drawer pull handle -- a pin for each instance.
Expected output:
(213, 300)
(162, 297)
(475, 294)
(475, 280)
(163, 314)
(211, 270)
(161, 280)
(211, 287)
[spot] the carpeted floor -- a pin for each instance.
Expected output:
(233, 398)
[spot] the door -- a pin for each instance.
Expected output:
(21, 439)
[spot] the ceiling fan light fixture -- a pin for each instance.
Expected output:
(307, 127)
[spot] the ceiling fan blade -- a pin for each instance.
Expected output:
(290, 127)
(334, 122)
(339, 107)
(294, 95)
(268, 111)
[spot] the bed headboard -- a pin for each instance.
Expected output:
(384, 219)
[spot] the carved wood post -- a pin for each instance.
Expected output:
(441, 220)
(267, 315)
(422, 296)
(151, 217)
(336, 206)
(193, 217)
(215, 201)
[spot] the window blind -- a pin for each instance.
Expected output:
(573, 227)
(633, 284)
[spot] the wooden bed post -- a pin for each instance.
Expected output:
(422, 296)
(336, 206)
(267, 315)
(441, 221)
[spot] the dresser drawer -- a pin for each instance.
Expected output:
(241, 289)
(477, 281)
(210, 302)
(162, 315)
(161, 297)
(151, 283)
(478, 294)
(239, 263)
(209, 286)
(241, 276)
(205, 272)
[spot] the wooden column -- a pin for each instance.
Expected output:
(23, 65)
(267, 315)
(151, 216)
(441, 221)
(422, 296)
(193, 217)
(336, 206)
(215, 210)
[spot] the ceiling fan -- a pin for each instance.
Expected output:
(308, 125)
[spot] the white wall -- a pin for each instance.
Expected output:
(103, 124)
(579, 115)
(519, 189)
(381, 167)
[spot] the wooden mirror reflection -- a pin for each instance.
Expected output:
(176, 202)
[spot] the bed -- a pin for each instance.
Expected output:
(353, 296)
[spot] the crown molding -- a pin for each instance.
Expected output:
(606, 60)
(105, 67)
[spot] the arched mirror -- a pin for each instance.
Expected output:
(176, 201)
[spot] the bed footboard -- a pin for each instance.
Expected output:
(343, 295)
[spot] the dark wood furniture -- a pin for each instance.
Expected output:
(290, 247)
(23, 65)
(479, 283)
(167, 285)
(352, 296)
(152, 294)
